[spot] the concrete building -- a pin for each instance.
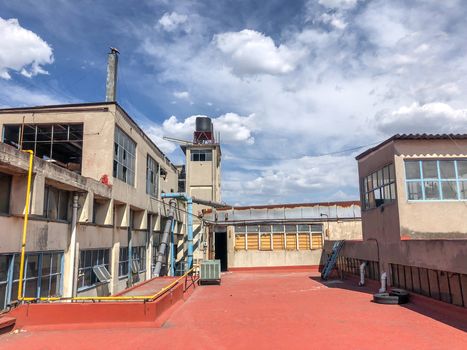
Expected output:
(414, 214)
(200, 178)
(95, 154)
(280, 235)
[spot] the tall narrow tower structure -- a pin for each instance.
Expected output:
(202, 174)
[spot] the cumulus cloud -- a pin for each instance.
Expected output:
(22, 50)
(233, 129)
(338, 4)
(182, 95)
(251, 52)
(333, 19)
(427, 118)
(313, 177)
(171, 21)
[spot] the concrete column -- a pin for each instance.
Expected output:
(112, 67)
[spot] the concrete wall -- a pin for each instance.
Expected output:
(429, 219)
(343, 229)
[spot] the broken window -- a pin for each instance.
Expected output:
(151, 176)
(56, 203)
(93, 266)
(201, 155)
(379, 187)
(139, 259)
(123, 262)
(5, 187)
(124, 157)
(60, 143)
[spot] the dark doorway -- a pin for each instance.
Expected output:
(221, 249)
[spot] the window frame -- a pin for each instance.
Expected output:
(383, 190)
(202, 155)
(60, 194)
(439, 180)
(122, 145)
(83, 268)
(152, 181)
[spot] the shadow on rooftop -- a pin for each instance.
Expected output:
(451, 315)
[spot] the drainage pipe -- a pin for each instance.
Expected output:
(165, 239)
(190, 233)
(383, 282)
(72, 258)
(362, 274)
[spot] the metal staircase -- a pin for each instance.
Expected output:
(331, 262)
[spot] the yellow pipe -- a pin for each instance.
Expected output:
(25, 225)
(117, 298)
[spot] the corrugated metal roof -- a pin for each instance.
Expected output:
(413, 137)
(286, 212)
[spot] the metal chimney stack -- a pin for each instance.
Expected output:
(112, 66)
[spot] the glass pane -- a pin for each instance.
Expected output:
(414, 190)
(252, 228)
(303, 228)
(45, 286)
(2, 295)
(463, 189)
(412, 170)
(31, 288)
(316, 227)
(55, 286)
(63, 205)
(447, 169)
(449, 189)
(370, 183)
(290, 228)
(32, 265)
(391, 172)
(277, 228)
(431, 190)
(386, 174)
(393, 191)
(4, 264)
(239, 228)
(380, 177)
(56, 262)
(430, 169)
(462, 169)
(265, 228)
(46, 264)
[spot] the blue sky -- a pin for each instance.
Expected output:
(290, 85)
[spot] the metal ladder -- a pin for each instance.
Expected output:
(331, 262)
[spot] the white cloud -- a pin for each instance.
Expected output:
(312, 177)
(233, 129)
(171, 21)
(333, 19)
(336, 4)
(22, 50)
(427, 118)
(251, 52)
(182, 95)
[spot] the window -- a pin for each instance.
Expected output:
(124, 157)
(151, 176)
(61, 142)
(201, 155)
(139, 259)
(240, 228)
(379, 187)
(444, 179)
(89, 259)
(56, 203)
(42, 276)
(123, 262)
(5, 187)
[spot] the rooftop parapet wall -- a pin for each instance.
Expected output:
(288, 212)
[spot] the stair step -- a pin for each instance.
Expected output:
(7, 321)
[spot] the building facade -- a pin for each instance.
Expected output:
(414, 215)
(280, 235)
(96, 156)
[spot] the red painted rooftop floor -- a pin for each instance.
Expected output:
(269, 310)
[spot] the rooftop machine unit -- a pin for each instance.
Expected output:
(210, 272)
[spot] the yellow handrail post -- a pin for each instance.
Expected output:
(25, 225)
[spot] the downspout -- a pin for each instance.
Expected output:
(74, 220)
(172, 249)
(190, 232)
(165, 238)
(129, 281)
(383, 282)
